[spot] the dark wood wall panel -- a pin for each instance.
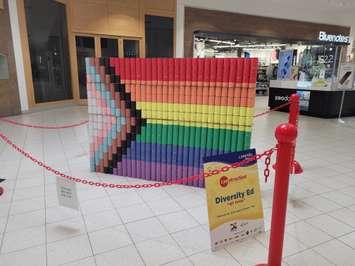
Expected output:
(218, 21)
(9, 98)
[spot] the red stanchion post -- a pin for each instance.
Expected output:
(294, 112)
(1, 190)
(286, 135)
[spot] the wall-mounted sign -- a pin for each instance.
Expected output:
(339, 38)
(234, 203)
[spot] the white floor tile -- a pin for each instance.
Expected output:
(56, 214)
(96, 205)
(4, 209)
(22, 206)
(307, 258)
(190, 200)
(160, 207)
(302, 210)
(193, 240)
(181, 262)
(248, 252)
(126, 256)
(30, 182)
(159, 251)
(100, 220)
(68, 250)
(25, 220)
(307, 234)
(291, 244)
(35, 256)
(209, 258)
(337, 252)
(339, 198)
(65, 229)
(84, 262)
(126, 198)
(28, 193)
(199, 213)
(344, 215)
(177, 221)
(330, 225)
(146, 229)
(109, 239)
(90, 261)
(322, 204)
(349, 239)
(135, 212)
(3, 222)
(22, 239)
(155, 194)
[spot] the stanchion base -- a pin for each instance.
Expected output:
(262, 264)
(297, 168)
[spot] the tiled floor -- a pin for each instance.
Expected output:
(168, 226)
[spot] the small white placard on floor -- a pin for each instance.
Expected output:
(67, 194)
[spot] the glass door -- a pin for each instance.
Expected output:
(130, 48)
(49, 50)
(109, 47)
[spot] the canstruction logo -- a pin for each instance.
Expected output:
(224, 180)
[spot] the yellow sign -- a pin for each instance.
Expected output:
(233, 199)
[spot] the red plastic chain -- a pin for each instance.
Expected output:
(41, 126)
(274, 109)
(267, 166)
(149, 185)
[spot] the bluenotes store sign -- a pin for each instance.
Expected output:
(339, 38)
(233, 199)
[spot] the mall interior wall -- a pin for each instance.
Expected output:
(9, 97)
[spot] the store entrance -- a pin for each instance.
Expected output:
(297, 63)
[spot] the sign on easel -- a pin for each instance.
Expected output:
(67, 194)
(234, 203)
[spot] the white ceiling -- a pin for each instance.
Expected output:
(338, 12)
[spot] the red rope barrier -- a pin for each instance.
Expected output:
(86, 181)
(42, 126)
(274, 109)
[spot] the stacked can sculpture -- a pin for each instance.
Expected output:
(157, 118)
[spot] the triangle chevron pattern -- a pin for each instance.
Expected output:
(157, 118)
